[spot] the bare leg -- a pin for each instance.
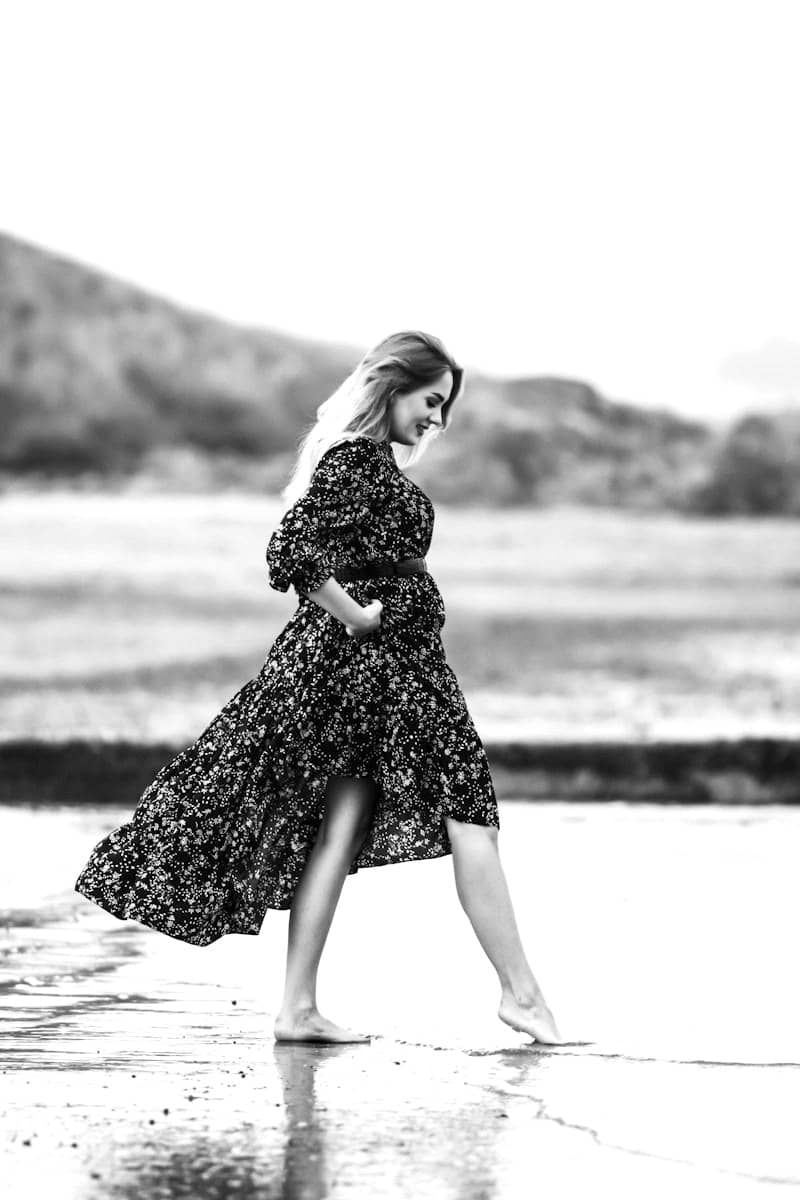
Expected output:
(348, 813)
(483, 892)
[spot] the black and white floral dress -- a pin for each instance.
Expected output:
(223, 831)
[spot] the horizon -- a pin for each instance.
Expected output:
(647, 249)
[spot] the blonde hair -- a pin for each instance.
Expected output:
(360, 406)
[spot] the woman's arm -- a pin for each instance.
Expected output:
(340, 604)
(352, 482)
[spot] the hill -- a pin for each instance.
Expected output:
(103, 383)
(98, 376)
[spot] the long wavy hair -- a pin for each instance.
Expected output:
(360, 406)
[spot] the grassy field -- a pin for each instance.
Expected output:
(138, 616)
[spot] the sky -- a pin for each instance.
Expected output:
(605, 191)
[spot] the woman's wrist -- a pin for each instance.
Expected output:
(340, 604)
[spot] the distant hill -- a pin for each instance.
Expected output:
(101, 382)
(99, 376)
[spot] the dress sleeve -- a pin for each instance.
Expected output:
(351, 481)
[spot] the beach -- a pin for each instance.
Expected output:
(135, 1065)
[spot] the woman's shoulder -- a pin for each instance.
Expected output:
(357, 464)
(360, 440)
(356, 450)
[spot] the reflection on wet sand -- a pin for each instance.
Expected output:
(355, 1112)
(304, 1148)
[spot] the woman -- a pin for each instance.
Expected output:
(353, 747)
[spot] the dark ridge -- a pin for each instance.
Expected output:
(746, 771)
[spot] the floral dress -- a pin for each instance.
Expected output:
(223, 831)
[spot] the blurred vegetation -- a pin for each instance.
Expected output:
(137, 617)
(756, 469)
(102, 384)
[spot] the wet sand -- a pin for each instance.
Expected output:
(133, 1065)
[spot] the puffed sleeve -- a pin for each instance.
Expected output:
(352, 480)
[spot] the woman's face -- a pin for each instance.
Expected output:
(413, 412)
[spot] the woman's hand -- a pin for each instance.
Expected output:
(369, 621)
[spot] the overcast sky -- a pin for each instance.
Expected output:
(595, 188)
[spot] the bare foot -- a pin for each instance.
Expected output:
(532, 1017)
(310, 1026)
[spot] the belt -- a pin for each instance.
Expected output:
(377, 568)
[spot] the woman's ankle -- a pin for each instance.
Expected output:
(297, 1007)
(525, 992)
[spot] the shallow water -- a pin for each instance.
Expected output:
(664, 937)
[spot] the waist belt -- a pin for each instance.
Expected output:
(377, 568)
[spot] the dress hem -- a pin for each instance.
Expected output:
(126, 912)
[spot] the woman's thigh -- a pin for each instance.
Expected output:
(349, 808)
